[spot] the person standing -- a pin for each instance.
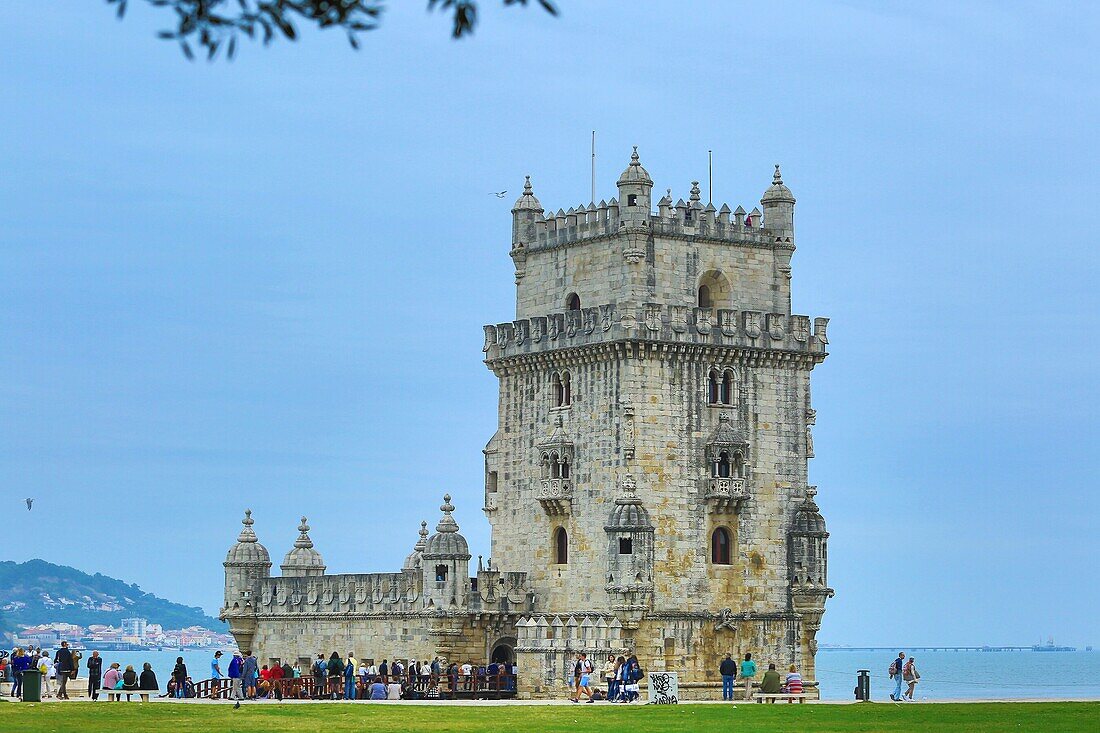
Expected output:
(250, 670)
(351, 666)
(748, 672)
(609, 676)
(577, 669)
(236, 664)
(95, 675)
(179, 676)
(20, 663)
(45, 666)
(896, 668)
(911, 677)
(728, 670)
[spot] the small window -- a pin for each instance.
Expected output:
(720, 546)
(573, 302)
(704, 297)
(567, 389)
(559, 391)
(626, 546)
(726, 393)
(440, 573)
(491, 482)
(561, 546)
(632, 199)
(712, 388)
(565, 469)
(555, 466)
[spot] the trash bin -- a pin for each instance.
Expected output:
(863, 685)
(32, 685)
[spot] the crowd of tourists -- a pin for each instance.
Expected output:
(62, 666)
(347, 678)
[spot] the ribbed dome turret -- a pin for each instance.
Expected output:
(303, 559)
(528, 201)
(634, 172)
(628, 514)
(808, 521)
(248, 549)
(413, 561)
(446, 543)
(777, 192)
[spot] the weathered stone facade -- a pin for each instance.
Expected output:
(647, 485)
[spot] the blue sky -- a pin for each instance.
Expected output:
(262, 283)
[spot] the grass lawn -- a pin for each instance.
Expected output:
(317, 718)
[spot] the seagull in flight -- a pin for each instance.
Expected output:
(29, 502)
(499, 194)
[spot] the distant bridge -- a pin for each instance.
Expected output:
(929, 648)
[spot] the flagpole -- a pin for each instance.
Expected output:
(593, 199)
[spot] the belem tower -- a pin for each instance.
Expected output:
(646, 486)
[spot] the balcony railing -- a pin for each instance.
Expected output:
(556, 495)
(725, 494)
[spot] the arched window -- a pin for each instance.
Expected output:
(567, 390)
(704, 297)
(565, 468)
(559, 392)
(555, 466)
(720, 546)
(738, 465)
(721, 467)
(712, 387)
(726, 393)
(561, 546)
(573, 302)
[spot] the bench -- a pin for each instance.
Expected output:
(773, 696)
(142, 695)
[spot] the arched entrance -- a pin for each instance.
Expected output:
(504, 651)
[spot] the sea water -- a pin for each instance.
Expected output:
(970, 675)
(944, 675)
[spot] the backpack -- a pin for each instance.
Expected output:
(893, 668)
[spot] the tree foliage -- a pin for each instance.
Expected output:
(210, 26)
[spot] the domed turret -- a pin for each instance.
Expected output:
(628, 515)
(248, 550)
(808, 547)
(415, 558)
(446, 543)
(635, 187)
(303, 560)
(629, 554)
(778, 204)
(245, 562)
(526, 211)
(446, 564)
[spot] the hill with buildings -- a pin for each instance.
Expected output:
(37, 592)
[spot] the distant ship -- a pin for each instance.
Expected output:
(1050, 647)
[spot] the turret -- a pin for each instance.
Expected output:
(245, 562)
(635, 188)
(414, 561)
(629, 554)
(303, 560)
(526, 211)
(778, 203)
(807, 559)
(446, 564)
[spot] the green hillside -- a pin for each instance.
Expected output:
(38, 592)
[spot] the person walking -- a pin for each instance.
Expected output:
(728, 670)
(250, 671)
(148, 682)
(179, 676)
(236, 665)
(896, 668)
(911, 677)
(95, 675)
(748, 672)
(63, 660)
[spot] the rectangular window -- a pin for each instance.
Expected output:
(626, 546)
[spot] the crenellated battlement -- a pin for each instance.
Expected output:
(547, 230)
(676, 324)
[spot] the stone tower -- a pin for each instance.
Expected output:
(246, 563)
(654, 417)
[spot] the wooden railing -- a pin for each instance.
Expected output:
(448, 687)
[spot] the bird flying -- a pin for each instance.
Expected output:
(499, 194)
(29, 502)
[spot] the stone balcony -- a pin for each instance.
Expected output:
(725, 495)
(556, 495)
